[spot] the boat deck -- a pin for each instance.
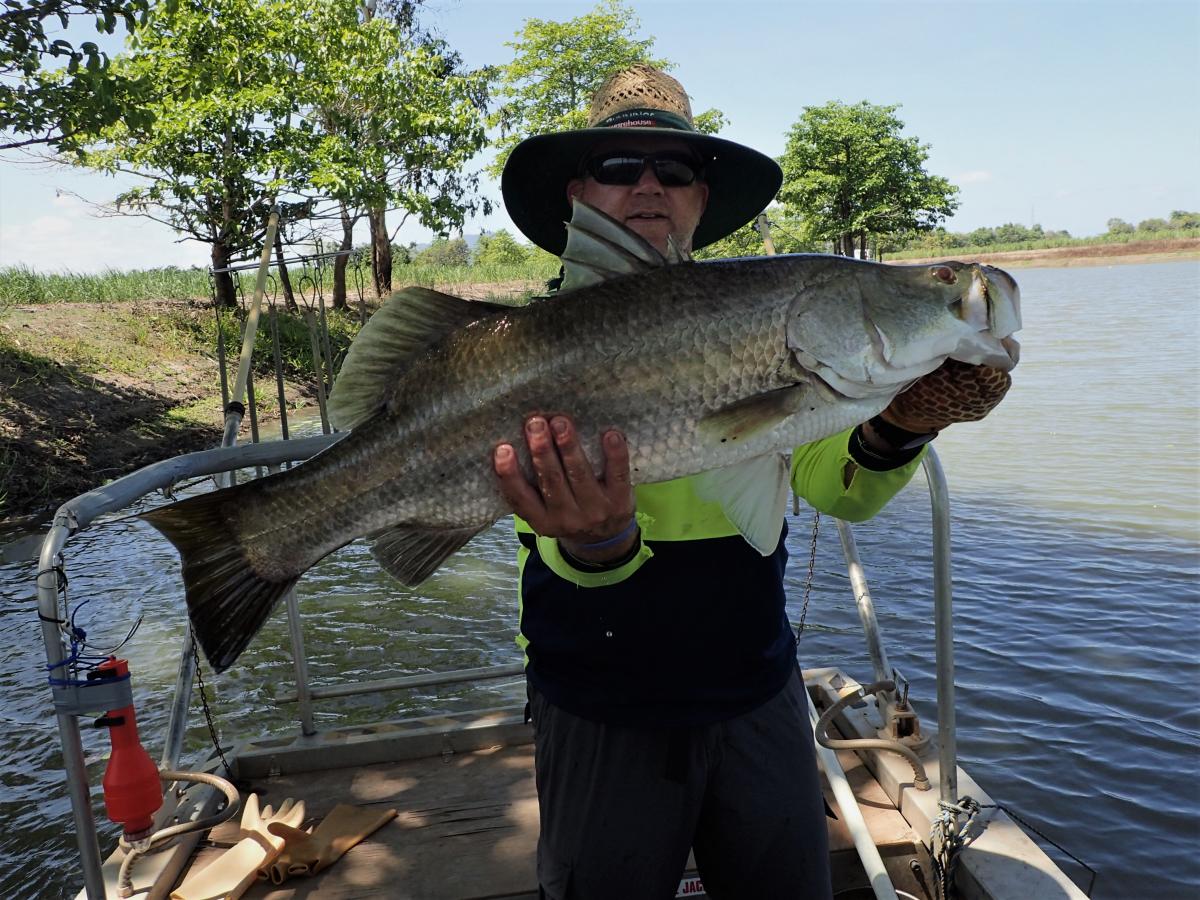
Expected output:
(468, 824)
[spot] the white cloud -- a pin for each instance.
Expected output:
(73, 240)
(973, 177)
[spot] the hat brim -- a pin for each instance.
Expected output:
(741, 182)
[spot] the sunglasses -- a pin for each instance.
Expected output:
(625, 168)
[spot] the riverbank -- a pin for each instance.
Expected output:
(1134, 252)
(92, 391)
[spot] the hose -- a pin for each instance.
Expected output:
(161, 837)
(920, 779)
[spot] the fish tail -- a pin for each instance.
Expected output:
(228, 599)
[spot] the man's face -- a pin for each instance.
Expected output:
(647, 207)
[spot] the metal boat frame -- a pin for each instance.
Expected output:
(1002, 862)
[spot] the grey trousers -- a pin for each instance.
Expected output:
(621, 806)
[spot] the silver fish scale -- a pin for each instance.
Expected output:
(649, 354)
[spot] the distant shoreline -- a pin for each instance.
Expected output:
(1173, 250)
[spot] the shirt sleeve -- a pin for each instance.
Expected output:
(830, 480)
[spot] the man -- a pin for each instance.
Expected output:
(668, 708)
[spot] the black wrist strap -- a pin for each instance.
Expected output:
(873, 459)
(607, 566)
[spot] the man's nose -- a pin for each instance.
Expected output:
(648, 183)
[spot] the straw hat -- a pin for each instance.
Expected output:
(741, 182)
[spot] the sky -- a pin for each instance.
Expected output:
(1064, 113)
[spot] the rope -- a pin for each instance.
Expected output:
(947, 841)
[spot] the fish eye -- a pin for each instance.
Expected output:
(944, 274)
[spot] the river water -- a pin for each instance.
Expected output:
(1076, 509)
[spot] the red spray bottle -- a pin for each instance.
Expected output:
(132, 789)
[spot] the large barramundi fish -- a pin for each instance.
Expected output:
(718, 367)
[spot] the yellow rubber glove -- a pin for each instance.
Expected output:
(307, 853)
(954, 392)
(228, 876)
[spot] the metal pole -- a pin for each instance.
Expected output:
(866, 606)
(283, 422)
(177, 723)
(303, 692)
(763, 226)
(318, 369)
(68, 726)
(943, 619)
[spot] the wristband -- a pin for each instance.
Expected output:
(615, 539)
(871, 459)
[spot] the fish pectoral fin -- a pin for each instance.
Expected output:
(753, 496)
(743, 419)
(407, 323)
(411, 553)
(599, 248)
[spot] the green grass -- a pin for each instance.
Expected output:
(23, 285)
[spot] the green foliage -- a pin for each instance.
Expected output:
(444, 252)
(1119, 226)
(500, 248)
(21, 284)
(558, 66)
(262, 99)
(1183, 219)
(852, 175)
(1016, 237)
(1153, 225)
(788, 233)
(59, 107)
(295, 341)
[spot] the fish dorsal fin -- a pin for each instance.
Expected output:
(408, 322)
(753, 495)
(599, 248)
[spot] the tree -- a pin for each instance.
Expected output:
(1119, 226)
(444, 252)
(500, 248)
(56, 107)
(557, 68)
(789, 234)
(1183, 219)
(400, 118)
(1153, 225)
(266, 100)
(851, 175)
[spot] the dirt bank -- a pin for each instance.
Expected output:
(93, 391)
(1094, 255)
(90, 392)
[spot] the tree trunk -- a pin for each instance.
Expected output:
(284, 279)
(862, 245)
(381, 251)
(226, 297)
(339, 262)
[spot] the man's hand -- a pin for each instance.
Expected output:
(569, 502)
(955, 392)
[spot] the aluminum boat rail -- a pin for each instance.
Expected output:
(72, 700)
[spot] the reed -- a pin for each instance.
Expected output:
(21, 284)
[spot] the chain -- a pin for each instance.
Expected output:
(812, 564)
(212, 728)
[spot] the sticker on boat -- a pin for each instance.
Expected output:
(690, 886)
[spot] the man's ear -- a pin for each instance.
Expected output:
(574, 189)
